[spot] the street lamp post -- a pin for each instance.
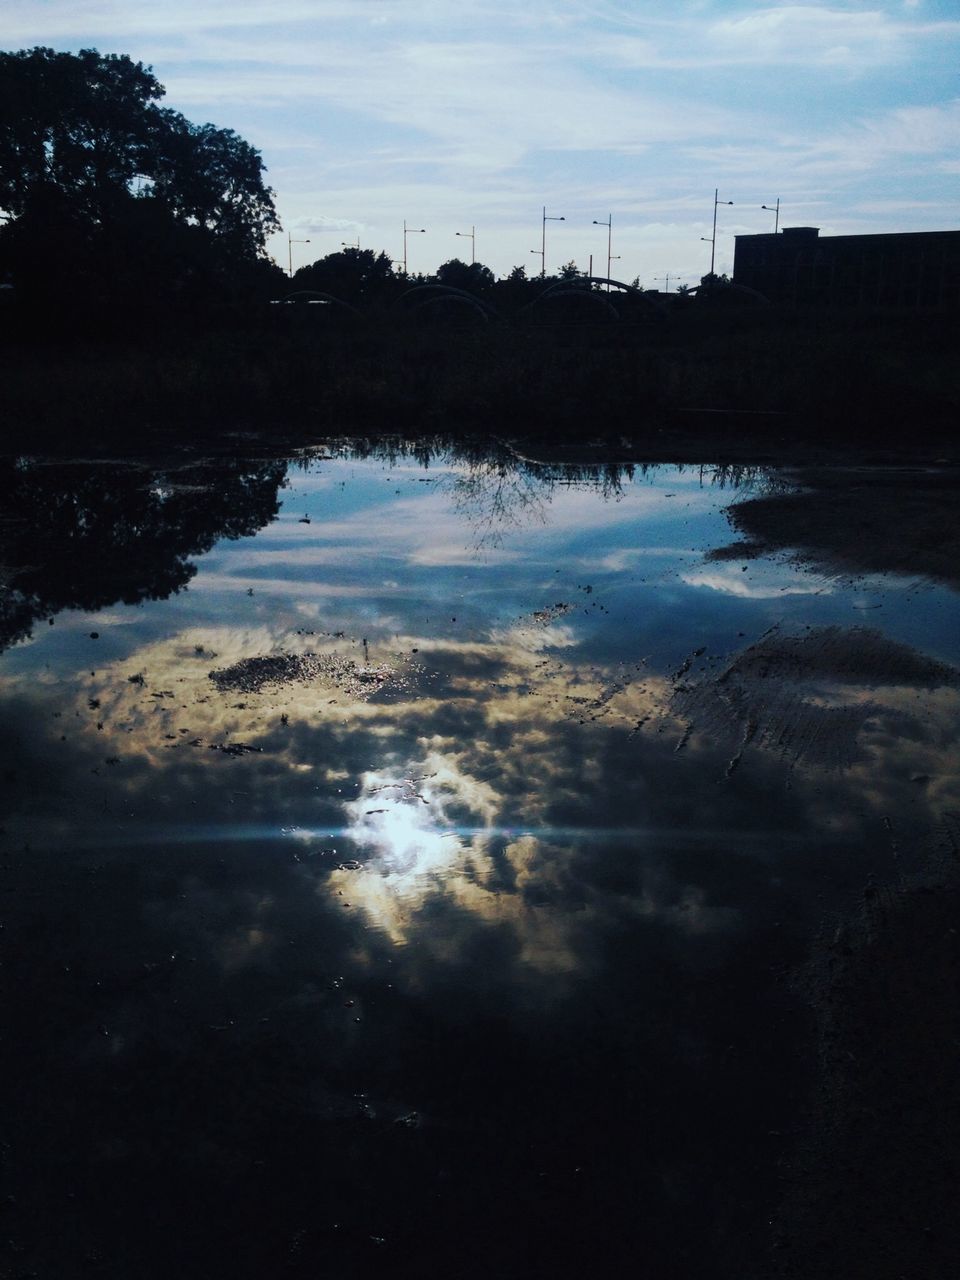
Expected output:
(409, 231)
(665, 280)
(543, 241)
(712, 241)
(290, 243)
(472, 234)
(609, 225)
(776, 211)
(348, 244)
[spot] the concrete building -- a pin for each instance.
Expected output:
(798, 267)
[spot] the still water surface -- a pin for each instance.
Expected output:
(405, 855)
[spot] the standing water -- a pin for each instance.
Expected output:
(407, 858)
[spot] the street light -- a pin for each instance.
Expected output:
(609, 225)
(712, 240)
(348, 244)
(472, 235)
(776, 221)
(543, 242)
(409, 231)
(290, 243)
(665, 280)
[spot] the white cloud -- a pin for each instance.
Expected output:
(762, 581)
(789, 35)
(367, 111)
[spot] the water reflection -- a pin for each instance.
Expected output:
(869, 520)
(417, 899)
(85, 535)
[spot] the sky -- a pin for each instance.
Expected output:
(462, 116)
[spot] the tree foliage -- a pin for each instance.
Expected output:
(211, 178)
(75, 129)
(473, 277)
(570, 271)
(105, 191)
(352, 275)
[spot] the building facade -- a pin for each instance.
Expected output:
(904, 270)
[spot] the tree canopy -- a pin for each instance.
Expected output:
(352, 275)
(96, 177)
(473, 277)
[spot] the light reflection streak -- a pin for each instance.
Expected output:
(134, 836)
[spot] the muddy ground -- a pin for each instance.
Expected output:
(871, 1189)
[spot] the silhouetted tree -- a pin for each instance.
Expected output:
(570, 271)
(107, 195)
(516, 290)
(474, 277)
(353, 275)
(211, 178)
(75, 129)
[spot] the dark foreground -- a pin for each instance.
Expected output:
(750, 384)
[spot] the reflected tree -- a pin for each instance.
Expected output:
(83, 536)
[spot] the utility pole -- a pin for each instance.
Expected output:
(409, 231)
(290, 243)
(472, 233)
(713, 240)
(543, 241)
(609, 225)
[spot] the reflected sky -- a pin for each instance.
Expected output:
(480, 891)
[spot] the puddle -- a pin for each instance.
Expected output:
(410, 873)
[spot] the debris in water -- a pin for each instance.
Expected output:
(544, 616)
(250, 675)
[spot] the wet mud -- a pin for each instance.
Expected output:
(802, 696)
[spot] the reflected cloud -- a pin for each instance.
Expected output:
(758, 582)
(519, 782)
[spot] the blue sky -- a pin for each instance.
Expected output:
(454, 114)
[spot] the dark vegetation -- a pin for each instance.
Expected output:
(882, 383)
(138, 300)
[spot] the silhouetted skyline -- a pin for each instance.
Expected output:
(459, 115)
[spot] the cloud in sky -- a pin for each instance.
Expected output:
(459, 114)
